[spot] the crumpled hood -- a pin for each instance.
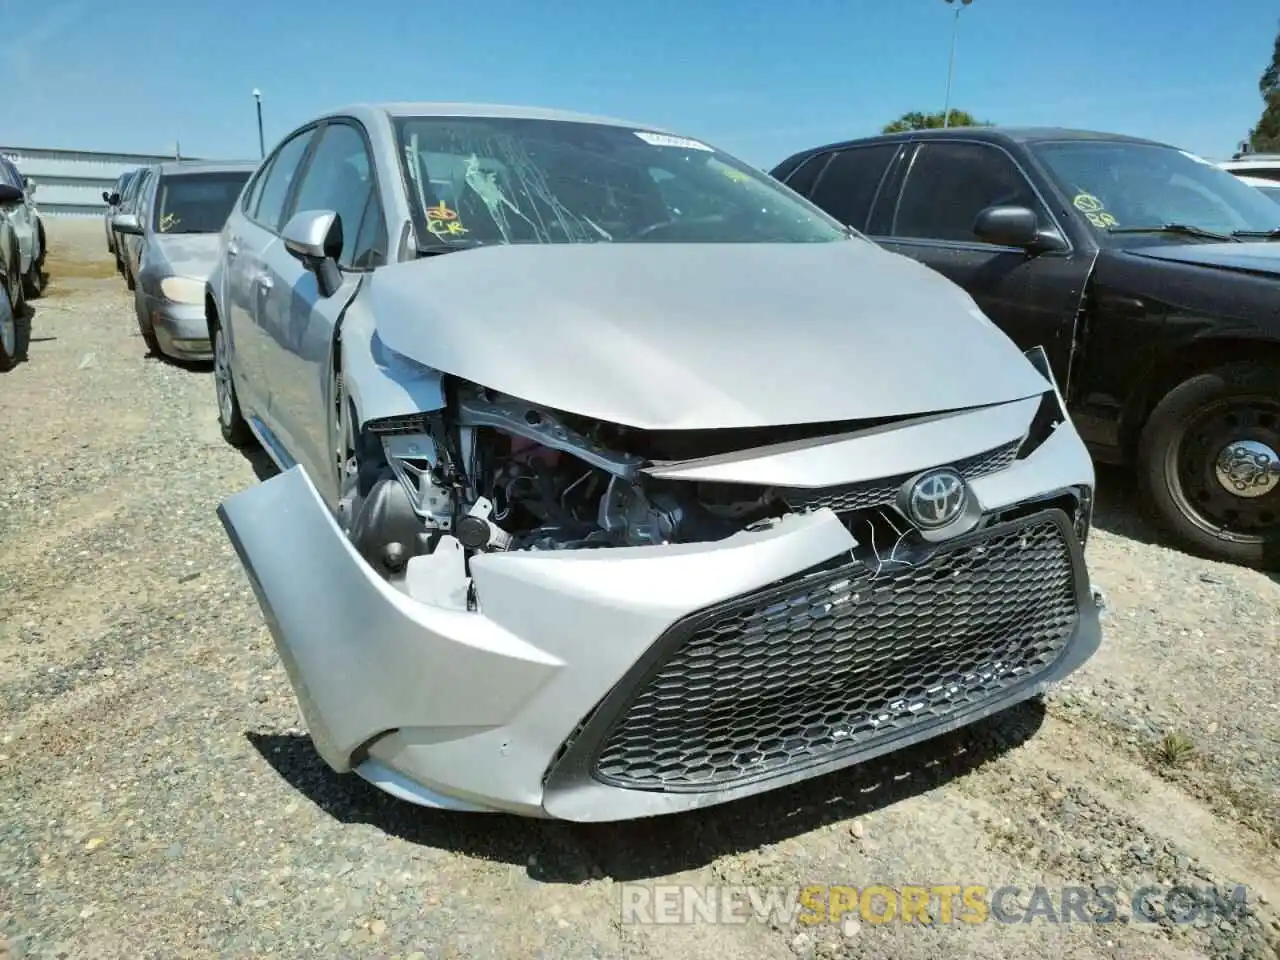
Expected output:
(1261, 257)
(187, 254)
(700, 336)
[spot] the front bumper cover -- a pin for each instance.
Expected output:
(471, 710)
(181, 328)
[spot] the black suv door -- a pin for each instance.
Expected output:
(1034, 297)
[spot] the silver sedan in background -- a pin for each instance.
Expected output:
(177, 236)
(112, 199)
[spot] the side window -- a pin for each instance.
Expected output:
(803, 179)
(949, 184)
(338, 179)
(850, 181)
(251, 196)
(276, 184)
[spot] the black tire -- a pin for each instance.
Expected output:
(10, 358)
(145, 328)
(17, 296)
(234, 428)
(1178, 463)
(128, 277)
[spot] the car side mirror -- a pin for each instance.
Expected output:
(10, 194)
(314, 237)
(126, 223)
(1013, 226)
(1007, 226)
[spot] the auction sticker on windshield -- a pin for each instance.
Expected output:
(666, 140)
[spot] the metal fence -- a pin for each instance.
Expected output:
(69, 183)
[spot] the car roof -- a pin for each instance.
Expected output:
(177, 167)
(429, 108)
(998, 135)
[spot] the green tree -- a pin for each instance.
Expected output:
(915, 120)
(1265, 137)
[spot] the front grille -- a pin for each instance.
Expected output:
(878, 493)
(835, 661)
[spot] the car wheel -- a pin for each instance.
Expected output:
(144, 326)
(1209, 463)
(17, 296)
(15, 333)
(234, 428)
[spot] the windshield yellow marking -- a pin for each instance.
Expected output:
(1094, 210)
(444, 222)
(168, 222)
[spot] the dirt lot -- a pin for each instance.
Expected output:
(161, 799)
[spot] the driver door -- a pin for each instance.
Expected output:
(20, 217)
(297, 322)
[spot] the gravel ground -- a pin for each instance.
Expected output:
(161, 798)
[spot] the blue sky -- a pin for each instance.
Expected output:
(758, 80)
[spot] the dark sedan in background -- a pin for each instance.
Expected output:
(1150, 276)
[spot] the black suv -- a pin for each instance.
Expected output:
(1149, 276)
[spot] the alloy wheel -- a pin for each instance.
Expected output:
(222, 378)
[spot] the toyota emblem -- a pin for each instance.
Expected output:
(935, 499)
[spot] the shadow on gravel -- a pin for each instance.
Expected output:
(1118, 510)
(556, 852)
(264, 468)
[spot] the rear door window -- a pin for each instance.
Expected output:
(806, 175)
(849, 184)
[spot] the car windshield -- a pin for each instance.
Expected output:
(1128, 186)
(197, 202)
(502, 180)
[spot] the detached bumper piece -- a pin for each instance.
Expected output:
(843, 663)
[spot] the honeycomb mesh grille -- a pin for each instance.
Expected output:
(878, 493)
(835, 661)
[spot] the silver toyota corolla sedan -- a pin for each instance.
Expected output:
(177, 225)
(616, 479)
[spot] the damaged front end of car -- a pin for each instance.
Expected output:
(511, 607)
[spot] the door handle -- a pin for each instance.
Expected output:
(233, 248)
(264, 281)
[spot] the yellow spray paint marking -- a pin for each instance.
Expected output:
(1094, 210)
(168, 222)
(1087, 203)
(444, 222)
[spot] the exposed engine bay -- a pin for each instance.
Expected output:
(497, 473)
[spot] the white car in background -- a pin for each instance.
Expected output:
(1270, 187)
(1265, 166)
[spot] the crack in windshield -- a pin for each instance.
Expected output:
(481, 181)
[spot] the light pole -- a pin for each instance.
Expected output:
(955, 28)
(257, 97)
